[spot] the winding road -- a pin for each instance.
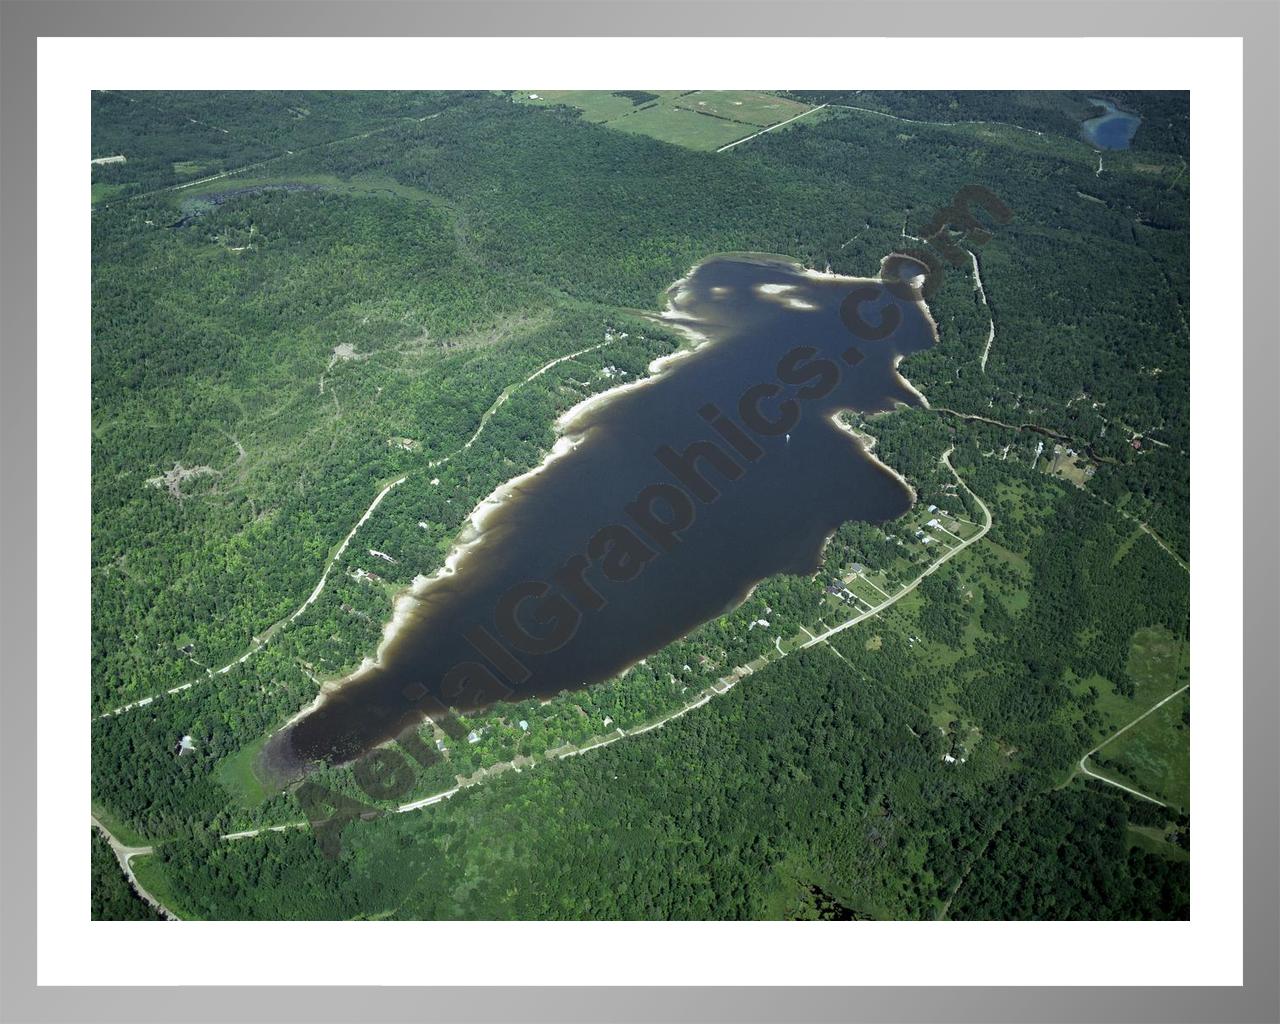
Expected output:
(508, 392)
(951, 553)
(1102, 778)
(124, 854)
(265, 638)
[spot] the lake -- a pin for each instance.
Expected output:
(1113, 129)
(629, 538)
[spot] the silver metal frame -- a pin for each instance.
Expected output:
(1256, 21)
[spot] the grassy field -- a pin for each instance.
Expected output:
(235, 774)
(1155, 755)
(681, 126)
(101, 191)
(595, 104)
(1157, 841)
(757, 108)
(360, 185)
(818, 115)
(1157, 666)
(188, 168)
(700, 119)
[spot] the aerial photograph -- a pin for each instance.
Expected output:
(646, 505)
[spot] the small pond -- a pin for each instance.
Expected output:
(1113, 129)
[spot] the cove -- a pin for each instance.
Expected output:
(662, 505)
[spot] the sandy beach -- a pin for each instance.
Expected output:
(835, 420)
(471, 535)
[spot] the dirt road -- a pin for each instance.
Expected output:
(124, 854)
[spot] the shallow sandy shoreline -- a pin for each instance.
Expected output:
(869, 449)
(471, 535)
(908, 385)
(569, 436)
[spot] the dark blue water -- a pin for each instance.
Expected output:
(1114, 129)
(573, 577)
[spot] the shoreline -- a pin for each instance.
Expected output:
(869, 450)
(570, 433)
(471, 533)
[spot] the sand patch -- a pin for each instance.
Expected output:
(173, 479)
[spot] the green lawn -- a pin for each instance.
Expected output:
(236, 775)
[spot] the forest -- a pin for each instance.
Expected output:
(367, 299)
(112, 898)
